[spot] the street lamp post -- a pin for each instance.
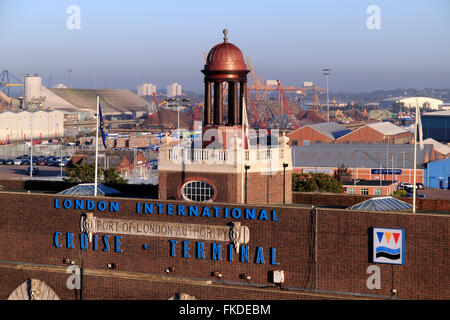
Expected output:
(327, 72)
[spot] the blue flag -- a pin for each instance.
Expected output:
(102, 125)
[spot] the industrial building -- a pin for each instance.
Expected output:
(437, 174)
(331, 132)
(374, 162)
(173, 89)
(442, 150)
(18, 126)
(378, 132)
(146, 89)
(325, 132)
(412, 102)
(436, 125)
(115, 103)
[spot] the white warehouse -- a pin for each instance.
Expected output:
(411, 102)
(16, 126)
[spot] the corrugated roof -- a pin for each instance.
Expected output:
(437, 113)
(381, 204)
(386, 128)
(113, 101)
(358, 155)
(332, 130)
(439, 147)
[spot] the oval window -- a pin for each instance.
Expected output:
(197, 191)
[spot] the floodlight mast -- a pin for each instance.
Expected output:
(327, 72)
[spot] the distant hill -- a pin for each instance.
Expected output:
(379, 95)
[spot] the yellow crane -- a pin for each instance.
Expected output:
(164, 102)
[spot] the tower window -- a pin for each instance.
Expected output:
(199, 191)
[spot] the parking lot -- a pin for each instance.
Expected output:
(18, 172)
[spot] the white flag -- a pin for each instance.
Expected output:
(245, 120)
(419, 127)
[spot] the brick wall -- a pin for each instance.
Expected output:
(28, 223)
(369, 135)
(261, 188)
(347, 200)
(307, 133)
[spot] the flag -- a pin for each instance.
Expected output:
(245, 123)
(419, 127)
(102, 125)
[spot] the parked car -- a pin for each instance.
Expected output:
(9, 161)
(35, 171)
(418, 195)
(409, 188)
(25, 162)
(420, 186)
(17, 162)
(2, 161)
(405, 186)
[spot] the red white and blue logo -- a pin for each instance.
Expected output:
(388, 246)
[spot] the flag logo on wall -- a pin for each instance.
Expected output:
(388, 246)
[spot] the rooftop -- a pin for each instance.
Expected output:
(332, 130)
(381, 204)
(368, 183)
(445, 113)
(355, 155)
(112, 101)
(386, 128)
(439, 147)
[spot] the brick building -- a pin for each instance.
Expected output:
(379, 132)
(325, 132)
(128, 248)
(389, 163)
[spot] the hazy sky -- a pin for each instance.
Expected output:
(162, 41)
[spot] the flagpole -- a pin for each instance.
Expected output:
(96, 149)
(242, 150)
(415, 160)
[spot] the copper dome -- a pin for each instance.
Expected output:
(225, 57)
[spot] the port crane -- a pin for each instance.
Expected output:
(283, 100)
(262, 88)
(5, 81)
(196, 109)
(255, 111)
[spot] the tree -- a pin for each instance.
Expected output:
(81, 173)
(342, 173)
(316, 182)
(85, 173)
(112, 176)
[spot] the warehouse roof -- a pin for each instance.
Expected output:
(332, 130)
(445, 113)
(112, 101)
(439, 147)
(386, 128)
(355, 155)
